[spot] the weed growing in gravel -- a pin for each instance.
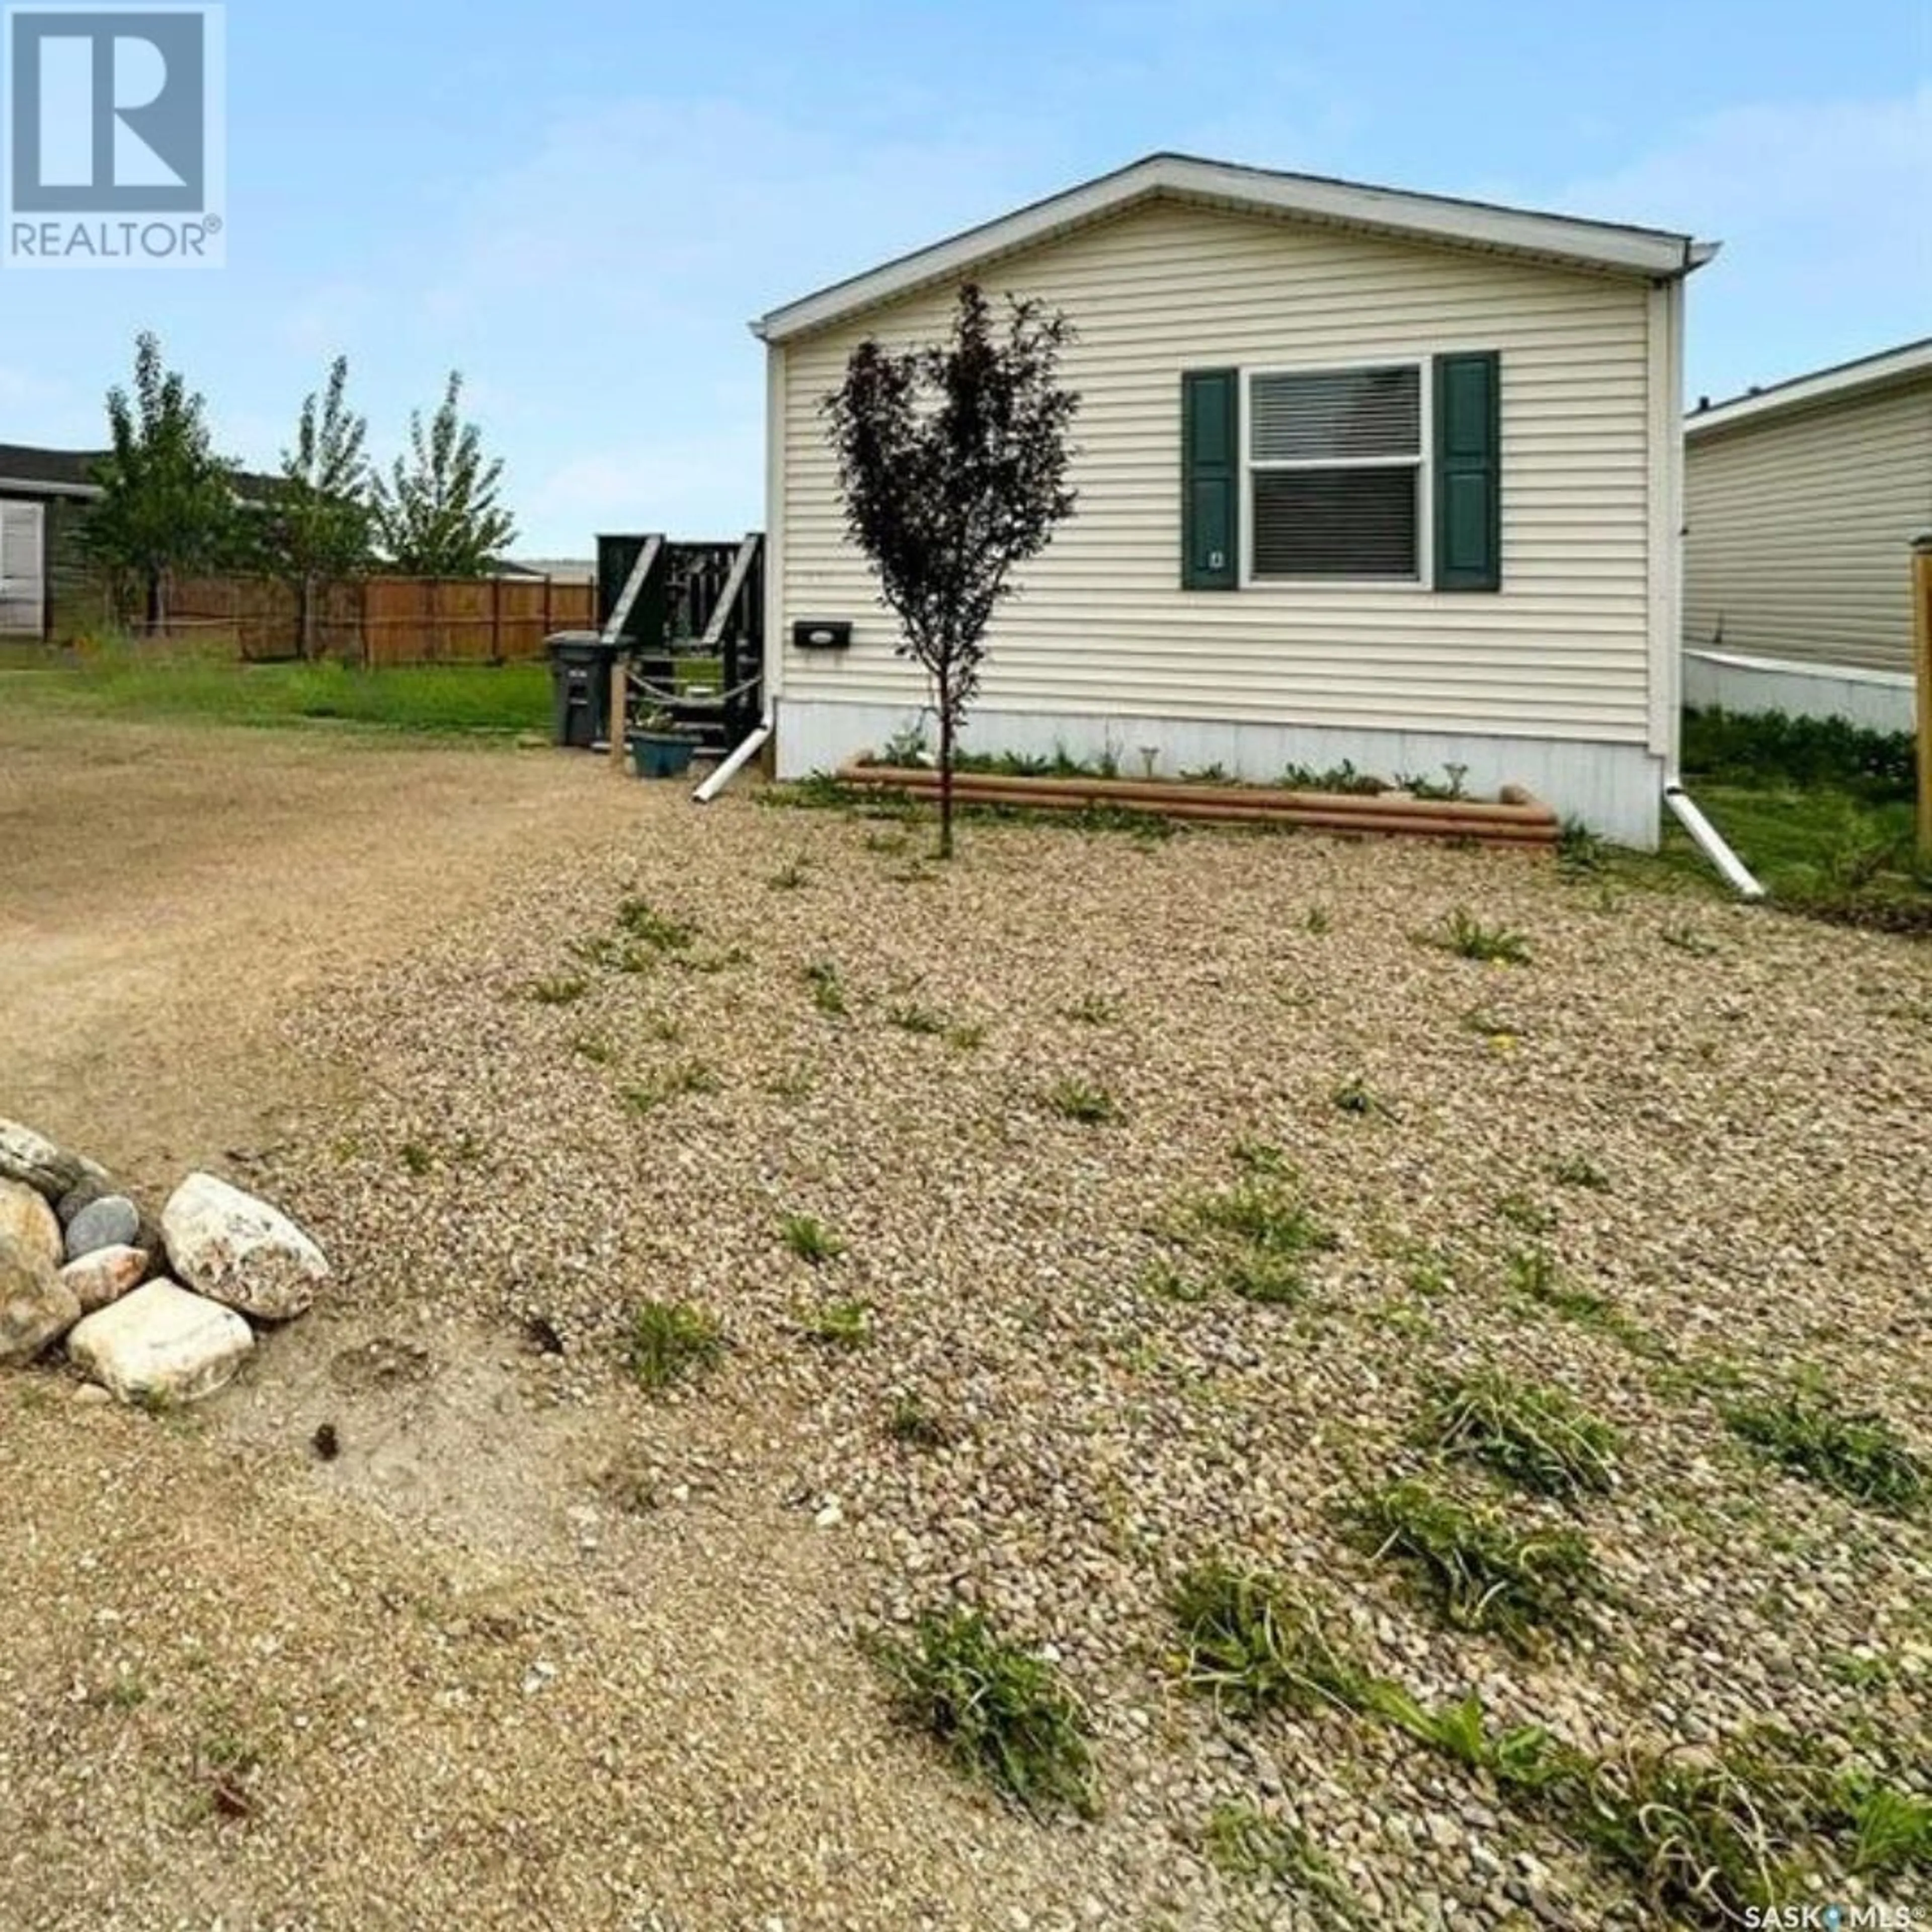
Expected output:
(1317, 922)
(828, 990)
(912, 1018)
(1258, 1240)
(689, 1076)
(1429, 1272)
(1709, 1840)
(1484, 1573)
(1530, 1216)
(649, 927)
(809, 1239)
(1262, 1158)
(1580, 854)
(1093, 1010)
(1268, 1276)
(1685, 937)
(891, 843)
(1082, 1100)
(670, 1340)
(1355, 1096)
(1167, 1282)
(1855, 1453)
(1536, 1435)
(1001, 1713)
(417, 1158)
(564, 991)
(594, 1048)
(1244, 1842)
(1468, 938)
(967, 1038)
(838, 1324)
(1253, 1645)
(1523, 1757)
(1534, 1274)
(913, 1422)
(1578, 1170)
(791, 878)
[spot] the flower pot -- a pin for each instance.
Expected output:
(660, 754)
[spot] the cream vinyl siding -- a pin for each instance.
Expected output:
(1799, 530)
(1561, 650)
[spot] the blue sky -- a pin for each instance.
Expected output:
(580, 205)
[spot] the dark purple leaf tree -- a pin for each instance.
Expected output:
(952, 462)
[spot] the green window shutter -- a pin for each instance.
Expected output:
(1468, 472)
(1210, 479)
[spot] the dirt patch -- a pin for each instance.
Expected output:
(168, 893)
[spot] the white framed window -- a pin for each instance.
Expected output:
(1336, 474)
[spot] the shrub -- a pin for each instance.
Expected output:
(1808, 754)
(671, 1339)
(1536, 1435)
(1001, 1713)
(1484, 1573)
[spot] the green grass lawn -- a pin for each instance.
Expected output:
(458, 700)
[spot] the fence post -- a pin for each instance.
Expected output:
(1921, 619)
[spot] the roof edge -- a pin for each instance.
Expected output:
(1608, 246)
(1834, 383)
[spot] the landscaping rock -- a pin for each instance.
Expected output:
(34, 1160)
(105, 1275)
(235, 1249)
(37, 1307)
(26, 1218)
(89, 1188)
(111, 1222)
(161, 1344)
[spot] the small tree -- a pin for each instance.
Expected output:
(436, 512)
(952, 461)
(320, 517)
(167, 503)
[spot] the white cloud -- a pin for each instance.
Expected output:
(1822, 207)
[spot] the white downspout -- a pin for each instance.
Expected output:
(737, 762)
(1710, 840)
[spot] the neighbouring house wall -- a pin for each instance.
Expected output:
(1562, 653)
(1798, 531)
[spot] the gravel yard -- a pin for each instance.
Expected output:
(535, 1645)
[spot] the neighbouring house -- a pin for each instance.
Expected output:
(1364, 474)
(44, 494)
(1802, 501)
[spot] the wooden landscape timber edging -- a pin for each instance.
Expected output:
(1527, 824)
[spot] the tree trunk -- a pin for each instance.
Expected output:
(157, 602)
(945, 768)
(305, 617)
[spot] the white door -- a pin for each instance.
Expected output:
(23, 554)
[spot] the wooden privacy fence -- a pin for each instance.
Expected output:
(384, 621)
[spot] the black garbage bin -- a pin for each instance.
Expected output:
(580, 682)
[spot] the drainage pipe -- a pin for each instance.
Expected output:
(1710, 841)
(736, 763)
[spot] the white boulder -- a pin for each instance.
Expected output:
(26, 1218)
(235, 1249)
(104, 1276)
(161, 1344)
(37, 1308)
